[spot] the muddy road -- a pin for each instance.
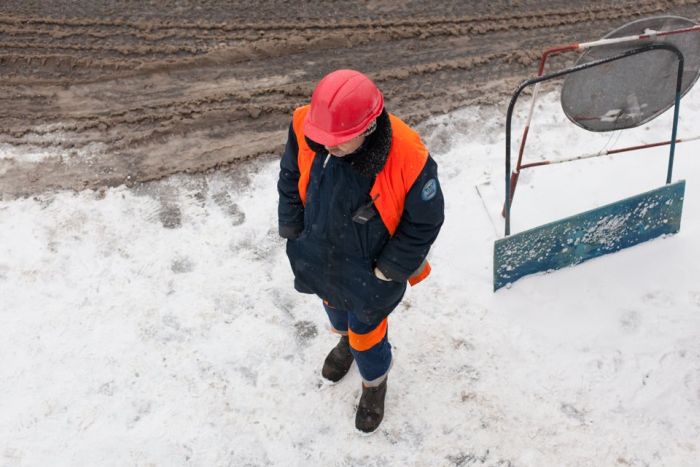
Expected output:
(99, 95)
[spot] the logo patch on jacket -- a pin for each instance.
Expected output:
(429, 190)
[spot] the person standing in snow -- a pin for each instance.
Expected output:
(360, 206)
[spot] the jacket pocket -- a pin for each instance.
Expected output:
(380, 297)
(299, 266)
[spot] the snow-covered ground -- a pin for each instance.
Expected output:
(158, 325)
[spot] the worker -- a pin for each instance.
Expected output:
(360, 205)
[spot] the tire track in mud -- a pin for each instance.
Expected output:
(277, 41)
(104, 100)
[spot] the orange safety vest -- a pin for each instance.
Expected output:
(407, 157)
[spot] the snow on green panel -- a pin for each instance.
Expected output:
(590, 234)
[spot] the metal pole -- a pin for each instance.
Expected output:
(609, 152)
(523, 141)
(676, 108)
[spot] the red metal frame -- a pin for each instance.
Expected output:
(540, 71)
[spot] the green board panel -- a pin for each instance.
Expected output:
(588, 235)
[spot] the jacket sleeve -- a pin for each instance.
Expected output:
(420, 224)
(290, 209)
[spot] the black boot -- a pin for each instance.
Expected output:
(370, 412)
(338, 361)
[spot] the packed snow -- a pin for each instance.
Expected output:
(158, 325)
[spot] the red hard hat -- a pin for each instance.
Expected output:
(343, 105)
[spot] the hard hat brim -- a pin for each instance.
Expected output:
(325, 138)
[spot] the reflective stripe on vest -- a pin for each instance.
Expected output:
(406, 159)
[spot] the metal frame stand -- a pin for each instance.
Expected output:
(593, 233)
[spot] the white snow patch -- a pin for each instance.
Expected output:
(159, 326)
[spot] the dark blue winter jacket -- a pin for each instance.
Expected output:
(333, 256)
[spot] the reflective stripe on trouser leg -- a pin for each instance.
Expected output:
(338, 319)
(371, 349)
